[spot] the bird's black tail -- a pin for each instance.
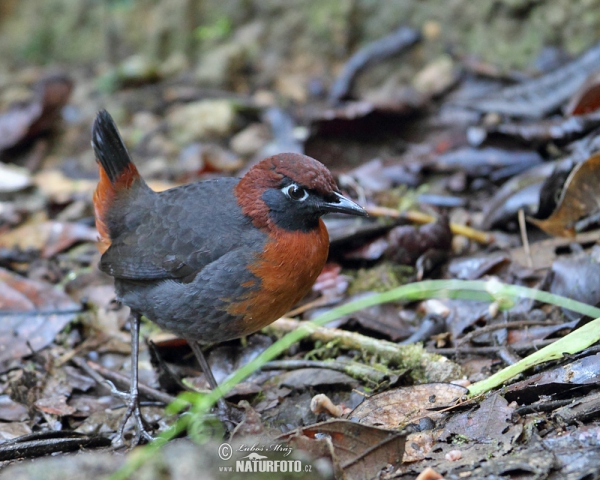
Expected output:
(110, 150)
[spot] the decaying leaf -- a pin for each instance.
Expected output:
(401, 406)
(55, 406)
(407, 243)
(580, 197)
(587, 98)
(577, 277)
(24, 122)
(359, 451)
(31, 314)
(584, 371)
(59, 188)
(49, 237)
(490, 423)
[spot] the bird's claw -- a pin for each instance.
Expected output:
(133, 409)
(227, 415)
(115, 392)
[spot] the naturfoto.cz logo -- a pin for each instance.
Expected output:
(256, 462)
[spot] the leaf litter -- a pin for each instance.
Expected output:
(61, 334)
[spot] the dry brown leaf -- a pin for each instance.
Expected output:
(31, 315)
(55, 406)
(59, 188)
(359, 451)
(49, 237)
(579, 197)
(398, 407)
(587, 97)
(22, 123)
(490, 423)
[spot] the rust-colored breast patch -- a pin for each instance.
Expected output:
(288, 267)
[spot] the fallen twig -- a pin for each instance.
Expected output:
(422, 218)
(423, 366)
(372, 375)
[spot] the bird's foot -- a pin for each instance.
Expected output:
(132, 402)
(228, 415)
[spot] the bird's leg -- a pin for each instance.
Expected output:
(208, 372)
(132, 398)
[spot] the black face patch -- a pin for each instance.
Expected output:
(292, 215)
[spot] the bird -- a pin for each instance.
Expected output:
(212, 260)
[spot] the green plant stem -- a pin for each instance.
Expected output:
(574, 342)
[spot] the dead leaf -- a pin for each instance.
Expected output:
(13, 178)
(490, 423)
(251, 423)
(401, 406)
(584, 371)
(579, 198)
(49, 237)
(304, 378)
(577, 277)
(359, 451)
(544, 253)
(55, 406)
(477, 265)
(59, 188)
(11, 430)
(587, 98)
(25, 122)
(31, 315)
(12, 411)
(407, 243)
(331, 283)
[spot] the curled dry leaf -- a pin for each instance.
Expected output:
(587, 98)
(579, 198)
(401, 406)
(543, 131)
(407, 243)
(331, 283)
(25, 122)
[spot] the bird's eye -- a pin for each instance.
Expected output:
(295, 192)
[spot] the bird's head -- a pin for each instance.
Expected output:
(291, 191)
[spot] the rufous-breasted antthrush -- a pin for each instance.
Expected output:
(213, 260)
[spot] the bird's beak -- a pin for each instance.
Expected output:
(342, 205)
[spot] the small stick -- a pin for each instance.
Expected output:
(421, 364)
(319, 302)
(522, 347)
(525, 238)
(500, 326)
(422, 218)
